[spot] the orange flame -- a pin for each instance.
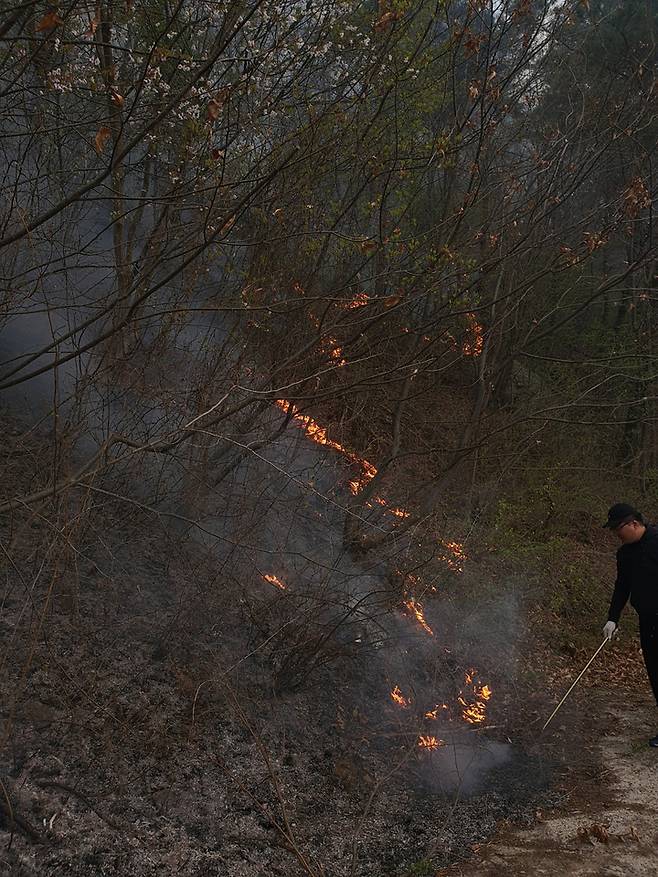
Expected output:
(459, 556)
(475, 711)
(413, 584)
(429, 742)
(399, 698)
(368, 471)
(399, 513)
(274, 580)
(474, 714)
(417, 611)
(329, 345)
(319, 435)
(312, 429)
(474, 344)
(334, 351)
(359, 300)
(434, 714)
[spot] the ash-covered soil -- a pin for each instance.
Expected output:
(131, 750)
(163, 715)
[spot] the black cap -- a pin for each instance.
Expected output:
(621, 513)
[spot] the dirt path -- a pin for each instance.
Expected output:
(608, 829)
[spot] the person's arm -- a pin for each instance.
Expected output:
(622, 589)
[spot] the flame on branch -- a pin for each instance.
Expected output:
(474, 710)
(399, 513)
(359, 300)
(474, 342)
(399, 698)
(329, 345)
(415, 609)
(426, 741)
(456, 557)
(441, 709)
(318, 434)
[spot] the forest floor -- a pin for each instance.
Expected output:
(126, 752)
(609, 825)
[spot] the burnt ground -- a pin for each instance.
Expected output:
(89, 799)
(160, 716)
(127, 751)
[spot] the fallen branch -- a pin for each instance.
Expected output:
(13, 820)
(55, 784)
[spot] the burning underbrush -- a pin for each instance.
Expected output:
(172, 702)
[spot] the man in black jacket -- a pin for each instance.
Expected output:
(637, 578)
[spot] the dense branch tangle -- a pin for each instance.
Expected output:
(363, 212)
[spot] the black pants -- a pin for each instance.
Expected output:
(649, 643)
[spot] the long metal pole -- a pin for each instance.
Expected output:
(573, 685)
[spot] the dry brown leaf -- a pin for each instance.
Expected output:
(636, 197)
(524, 8)
(214, 109)
(49, 21)
(387, 18)
(184, 683)
(101, 139)
(600, 832)
(117, 98)
(93, 24)
(472, 44)
(216, 103)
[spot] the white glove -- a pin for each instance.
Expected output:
(610, 630)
